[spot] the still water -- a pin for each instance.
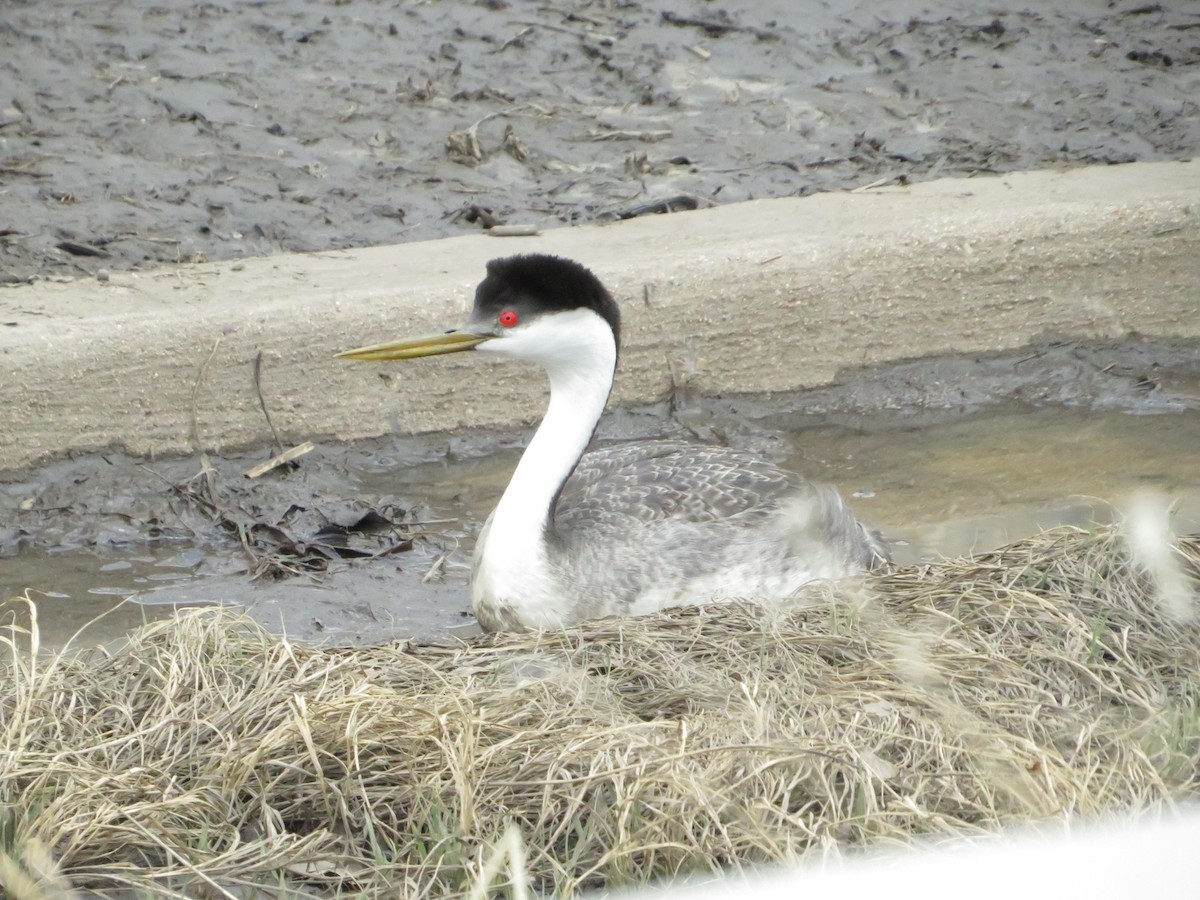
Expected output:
(942, 489)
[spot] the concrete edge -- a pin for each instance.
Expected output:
(762, 296)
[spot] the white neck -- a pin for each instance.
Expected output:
(515, 582)
(576, 349)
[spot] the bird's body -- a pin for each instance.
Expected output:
(644, 526)
(634, 528)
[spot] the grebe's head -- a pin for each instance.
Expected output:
(542, 308)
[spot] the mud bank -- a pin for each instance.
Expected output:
(763, 296)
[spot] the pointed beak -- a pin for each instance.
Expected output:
(414, 348)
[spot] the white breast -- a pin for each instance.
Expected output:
(511, 584)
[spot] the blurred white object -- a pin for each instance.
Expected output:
(1151, 540)
(1118, 860)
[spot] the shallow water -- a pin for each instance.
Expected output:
(980, 482)
(952, 488)
(943, 488)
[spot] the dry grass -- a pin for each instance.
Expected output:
(206, 756)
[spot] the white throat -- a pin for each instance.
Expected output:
(577, 350)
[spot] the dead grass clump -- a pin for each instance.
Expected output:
(1037, 681)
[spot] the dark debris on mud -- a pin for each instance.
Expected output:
(141, 134)
(294, 521)
(298, 539)
(315, 550)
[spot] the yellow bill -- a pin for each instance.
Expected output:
(414, 348)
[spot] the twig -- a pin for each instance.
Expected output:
(263, 403)
(517, 39)
(603, 39)
(715, 28)
(195, 435)
(877, 183)
(513, 231)
(75, 248)
(657, 207)
(280, 458)
(437, 568)
(618, 134)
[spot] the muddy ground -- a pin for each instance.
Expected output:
(134, 134)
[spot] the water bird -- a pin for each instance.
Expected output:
(631, 528)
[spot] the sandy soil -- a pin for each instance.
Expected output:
(134, 134)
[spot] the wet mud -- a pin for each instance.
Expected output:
(137, 134)
(365, 542)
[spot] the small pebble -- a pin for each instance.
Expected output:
(102, 275)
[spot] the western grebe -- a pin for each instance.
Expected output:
(633, 528)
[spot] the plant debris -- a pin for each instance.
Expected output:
(269, 539)
(658, 207)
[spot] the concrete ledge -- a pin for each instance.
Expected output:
(763, 296)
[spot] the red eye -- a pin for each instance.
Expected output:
(508, 318)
